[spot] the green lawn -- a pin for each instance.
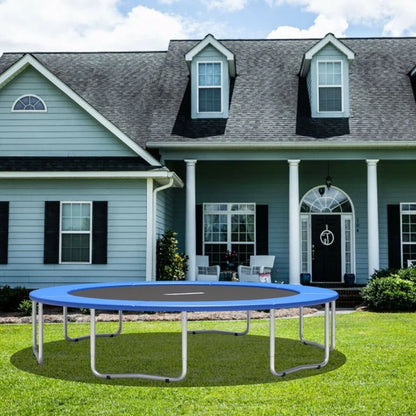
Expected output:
(371, 372)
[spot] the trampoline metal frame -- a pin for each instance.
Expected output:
(327, 346)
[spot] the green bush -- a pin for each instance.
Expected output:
(25, 306)
(383, 273)
(10, 297)
(170, 264)
(390, 294)
(408, 274)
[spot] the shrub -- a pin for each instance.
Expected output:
(10, 297)
(390, 294)
(25, 306)
(408, 274)
(170, 264)
(383, 273)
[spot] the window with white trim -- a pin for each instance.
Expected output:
(209, 87)
(229, 227)
(29, 103)
(75, 232)
(330, 86)
(408, 232)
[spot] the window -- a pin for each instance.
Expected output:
(330, 86)
(76, 235)
(408, 232)
(29, 103)
(209, 87)
(229, 226)
(330, 200)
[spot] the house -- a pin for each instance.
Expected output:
(304, 149)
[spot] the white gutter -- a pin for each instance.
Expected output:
(153, 233)
(158, 175)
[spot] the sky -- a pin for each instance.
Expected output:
(133, 25)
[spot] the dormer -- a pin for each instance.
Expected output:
(326, 68)
(211, 66)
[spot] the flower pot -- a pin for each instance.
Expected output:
(305, 278)
(349, 279)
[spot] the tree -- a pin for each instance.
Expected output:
(170, 264)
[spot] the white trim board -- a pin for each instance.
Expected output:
(159, 176)
(29, 59)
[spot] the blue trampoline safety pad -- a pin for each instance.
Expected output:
(186, 296)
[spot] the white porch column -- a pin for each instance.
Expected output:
(372, 212)
(190, 236)
(294, 232)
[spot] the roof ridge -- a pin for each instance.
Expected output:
(80, 52)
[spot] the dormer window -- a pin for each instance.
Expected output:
(209, 87)
(329, 86)
(211, 67)
(326, 68)
(29, 103)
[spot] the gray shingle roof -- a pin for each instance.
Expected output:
(121, 86)
(146, 94)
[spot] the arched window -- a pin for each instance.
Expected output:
(29, 103)
(322, 199)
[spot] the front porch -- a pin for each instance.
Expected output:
(281, 186)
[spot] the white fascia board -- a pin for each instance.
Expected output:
(28, 59)
(161, 176)
(210, 40)
(329, 38)
(413, 71)
(283, 145)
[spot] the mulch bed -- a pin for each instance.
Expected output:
(54, 315)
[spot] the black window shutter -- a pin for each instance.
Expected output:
(262, 229)
(393, 232)
(199, 224)
(4, 231)
(99, 232)
(51, 240)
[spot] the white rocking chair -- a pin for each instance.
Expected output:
(206, 272)
(259, 265)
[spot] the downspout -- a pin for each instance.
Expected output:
(154, 254)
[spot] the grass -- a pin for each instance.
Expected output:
(371, 372)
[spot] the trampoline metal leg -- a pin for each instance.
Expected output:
(37, 350)
(68, 338)
(216, 331)
(304, 366)
(317, 344)
(93, 336)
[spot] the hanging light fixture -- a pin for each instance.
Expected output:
(328, 179)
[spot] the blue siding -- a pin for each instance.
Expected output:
(126, 231)
(165, 218)
(396, 185)
(64, 130)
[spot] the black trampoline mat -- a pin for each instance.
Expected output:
(184, 293)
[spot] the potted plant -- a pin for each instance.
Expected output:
(231, 258)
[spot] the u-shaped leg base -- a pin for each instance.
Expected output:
(139, 375)
(325, 346)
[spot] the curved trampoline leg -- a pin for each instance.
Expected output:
(37, 350)
(140, 375)
(68, 338)
(304, 366)
(317, 344)
(216, 331)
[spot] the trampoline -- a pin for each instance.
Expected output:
(188, 296)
